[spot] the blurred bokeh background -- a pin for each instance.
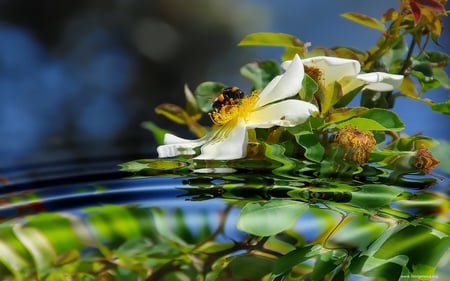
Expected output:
(77, 78)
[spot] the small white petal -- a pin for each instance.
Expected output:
(381, 81)
(174, 146)
(332, 68)
(228, 142)
(285, 85)
(285, 113)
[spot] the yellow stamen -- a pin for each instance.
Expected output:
(234, 111)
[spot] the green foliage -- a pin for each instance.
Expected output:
(261, 73)
(282, 215)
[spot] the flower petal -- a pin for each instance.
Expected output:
(332, 68)
(174, 146)
(228, 142)
(285, 113)
(285, 85)
(381, 81)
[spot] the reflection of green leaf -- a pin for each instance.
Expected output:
(249, 267)
(372, 196)
(269, 218)
(286, 262)
(148, 165)
(112, 222)
(413, 242)
(356, 231)
(43, 252)
(325, 264)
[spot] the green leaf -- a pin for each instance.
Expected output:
(426, 79)
(365, 20)
(309, 88)
(305, 137)
(261, 73)
(440, 150)
(386, 118)
(191, 104)
(342, 114)
(271, 39)
(392, 58)
(314, 150)
(172, 112)
(411, 143)
(158, 133)
(206, 93)
(290, 52)
(373, 99)
(408, 88)
(364, 124)
(443, 107)
(270, 218)
(442, 76)
(329, 97)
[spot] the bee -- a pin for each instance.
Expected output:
(228, 97)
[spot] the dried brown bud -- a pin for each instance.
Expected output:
(424, 160)
(357, 143)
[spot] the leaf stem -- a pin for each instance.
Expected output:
(407, 62)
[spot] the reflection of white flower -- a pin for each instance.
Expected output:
(264, 110)
(330, 69)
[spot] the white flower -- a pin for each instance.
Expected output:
(264, 110)
(329, 69)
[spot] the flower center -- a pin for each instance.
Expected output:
(313, 72)
(235, 110)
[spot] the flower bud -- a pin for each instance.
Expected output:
(424, 160)
(356, 143)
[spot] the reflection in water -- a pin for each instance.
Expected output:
(119, 226)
